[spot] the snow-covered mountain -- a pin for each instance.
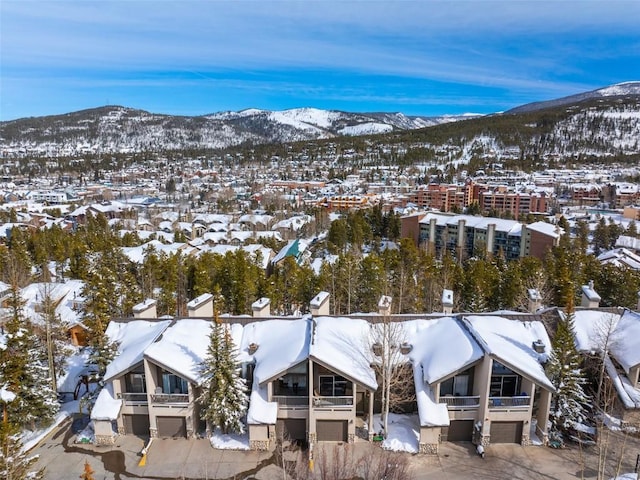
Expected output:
(121, 129)
(618, 90)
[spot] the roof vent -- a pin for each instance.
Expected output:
(377, 349)
(538, 346)
(252, 348)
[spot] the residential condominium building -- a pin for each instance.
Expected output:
(466, 235)
(313, 378)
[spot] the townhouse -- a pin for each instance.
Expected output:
(314, 379)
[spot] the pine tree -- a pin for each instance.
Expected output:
(223, 398)
(14, 463)
(24, 370)
(564, 371)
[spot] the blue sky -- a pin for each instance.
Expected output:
(193, 57)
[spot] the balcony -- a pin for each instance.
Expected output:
(461, 403)
(170, 398)
(133, 398)
(292, 402)
(333, 403)
(521, 402)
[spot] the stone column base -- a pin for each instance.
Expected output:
(371, 435)
(313, 438)
(260, 445)
(428, 448)
(485, 440)
(153, 432)
(526, 441)
(121, 430)
(103, 440)
(351, 438)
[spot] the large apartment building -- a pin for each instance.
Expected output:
(466, 235)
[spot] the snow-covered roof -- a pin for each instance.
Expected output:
(546, 228)
(511, 343)
(106, 406)
(183, 347)
(626, 347)
(282, 344)
(629, 395)
(432, 342)
(591, 327)
(260, 410)
(343, 345)
(132, 337)
(431, 413)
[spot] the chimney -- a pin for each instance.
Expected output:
(201, 306)
(447, 301)
(384, 305)
(535, 300)
(146, 309)
(261, 308)
(320, 304)
(590, 299)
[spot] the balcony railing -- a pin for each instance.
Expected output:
(509, 403)
(133, 398)
(333, 402)
(169, 398)
(292, 402)
(461, 403)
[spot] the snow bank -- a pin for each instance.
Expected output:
(232, 441)
(106, 406)
(403, 434)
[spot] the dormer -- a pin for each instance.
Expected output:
(146, 309)
(201, 306)
(261, 308)
(320, 304)
(590, 299)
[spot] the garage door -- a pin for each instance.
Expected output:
(331, 430)
(136, 424)
(172, 427)
(292, 429)
(458, 431)
(506, 432)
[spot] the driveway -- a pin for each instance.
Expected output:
(197, 460)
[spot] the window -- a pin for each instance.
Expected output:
(135, 383)
(333, 386)
(294, 382)
(173, 383)
(504, 381)
(460, 385)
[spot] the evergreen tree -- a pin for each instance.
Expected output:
(14, 462)
(223, 398)
(24, 370)
(564, 371)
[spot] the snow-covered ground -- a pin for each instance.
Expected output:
(31, 438)
(404, 432)
(231, 441)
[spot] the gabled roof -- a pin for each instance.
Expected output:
(591, 327)
(183, 347)
(511, 343)
(133, 338)
(626, 346)
(282, 344)
(442, 346)
(343, 345)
